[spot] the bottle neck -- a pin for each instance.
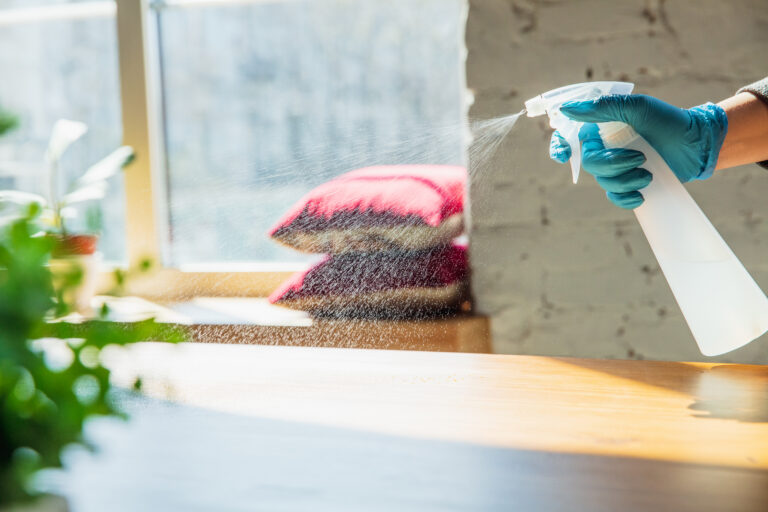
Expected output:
(616, 134)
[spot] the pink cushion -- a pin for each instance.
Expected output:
(432, 279)
(409, 207)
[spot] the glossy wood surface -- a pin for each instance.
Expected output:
(289, 428)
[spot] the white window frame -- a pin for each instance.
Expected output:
(147, 216)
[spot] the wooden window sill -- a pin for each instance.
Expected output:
(242, 320)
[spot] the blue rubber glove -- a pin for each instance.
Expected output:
(689, 141)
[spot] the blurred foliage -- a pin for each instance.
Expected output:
(121, 276)
(7, 121)
(45, 400)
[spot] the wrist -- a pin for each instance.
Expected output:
(712, 123)
(747, 138)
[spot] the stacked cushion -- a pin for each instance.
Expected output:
(387, 232)
(387, 283)
(397, 207)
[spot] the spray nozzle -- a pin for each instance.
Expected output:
(549, 103)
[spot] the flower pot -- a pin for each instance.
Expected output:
(42, 504)
(76, 253)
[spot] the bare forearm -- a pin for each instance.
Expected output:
(747, 138)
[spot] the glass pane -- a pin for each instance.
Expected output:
(265, 100)
(65, 68)
(39, 3)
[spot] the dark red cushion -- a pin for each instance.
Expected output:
(409, 207)
(385, 281)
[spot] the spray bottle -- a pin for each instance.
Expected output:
(722, 304)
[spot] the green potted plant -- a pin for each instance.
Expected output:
(71, 250)
(51, 376)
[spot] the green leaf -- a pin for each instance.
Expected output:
(64, 133)
(18, 198)
(7, 122)
(90, 192)
(44, 406)
(146, 264)
(105, 168)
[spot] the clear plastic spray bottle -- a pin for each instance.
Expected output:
(722, 304)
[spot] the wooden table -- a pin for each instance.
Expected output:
(244, 428)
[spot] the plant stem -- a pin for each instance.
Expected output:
(53, 177)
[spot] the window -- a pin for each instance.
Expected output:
(235, 109)
(60, 61)
(265, 100)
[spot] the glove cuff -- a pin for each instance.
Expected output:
(712, 122)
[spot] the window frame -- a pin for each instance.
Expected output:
(147, 216)
(147, 221)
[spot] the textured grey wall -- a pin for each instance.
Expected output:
(559, 269)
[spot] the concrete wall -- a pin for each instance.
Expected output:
(559, 269)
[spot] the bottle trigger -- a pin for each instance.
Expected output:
(572, 137)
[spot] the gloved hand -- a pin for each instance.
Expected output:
(689, 141)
